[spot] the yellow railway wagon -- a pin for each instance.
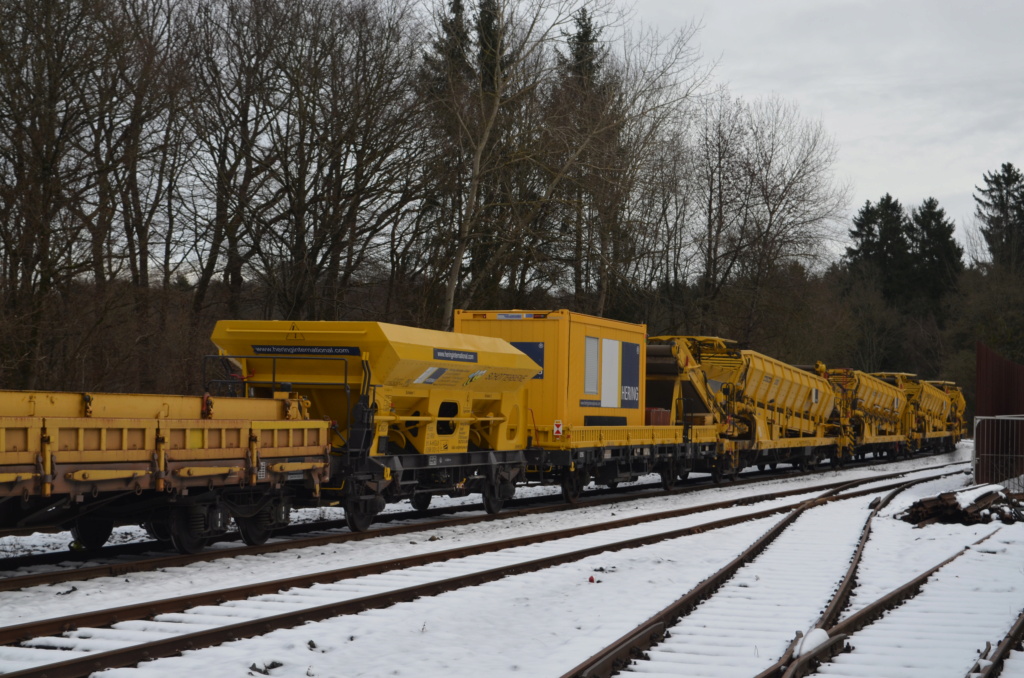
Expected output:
(956, 421)
(587, 411)
(773, 412)
(91, 461)
(926, 419)
(416, 412)
(870, 411)
(676, 385)
(589, 389)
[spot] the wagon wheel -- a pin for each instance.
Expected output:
(612, 485)
(773, 465)
(255, 530)
(668, 477)
(761, 467)
(492, 502)
(186, 530)
(683, 475)
(572, 485)
(421, 500)
(91, 533)
(158, 527)
(357, 517)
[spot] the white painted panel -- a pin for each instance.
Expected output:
(610, 358)
(591, 373)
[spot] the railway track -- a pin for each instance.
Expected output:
(741, 620)
(935, 624)
(85, 649)
(932, 625)
(393, 514)
(119, 560)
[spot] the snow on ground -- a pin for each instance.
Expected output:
(44, 602)
(748, 624)
(539, 624)
(1014, 666)
(938, 634)
(897, 550)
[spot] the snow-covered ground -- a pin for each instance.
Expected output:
(539, 624)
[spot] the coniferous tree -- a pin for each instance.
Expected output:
(937, 257)
(1000, 208)
(882, 246)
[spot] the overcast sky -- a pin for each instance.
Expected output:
(922, 96)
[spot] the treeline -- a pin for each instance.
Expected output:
(916, 301)
(166, 163)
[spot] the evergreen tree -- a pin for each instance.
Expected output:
(938, 258)
(490, 57)
(1000, 208)
(586, 55)
(882, 246)
(865, 235)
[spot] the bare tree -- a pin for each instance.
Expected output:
(344, 169)
(46, 51)
(232, 81)
(796, 201)
(546, 150)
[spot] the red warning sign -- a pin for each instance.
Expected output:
(558, 428)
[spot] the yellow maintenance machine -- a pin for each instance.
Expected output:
(869, 411)
(414, 412)
(587, 413)
(766, 411)
(182, 466)
(678, 386)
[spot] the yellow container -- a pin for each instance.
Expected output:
(591, 366)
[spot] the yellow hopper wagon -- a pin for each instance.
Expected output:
(771, 412)
(181, 466)
(926, 418)
(413, 412)
(956, 422)
(587, 416)
(869, 412)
